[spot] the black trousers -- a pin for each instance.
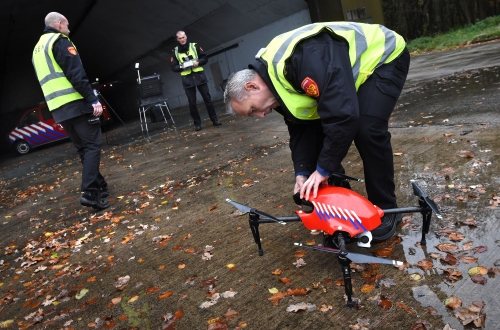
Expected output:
(377, 98)
(205, 94)
(87, 140)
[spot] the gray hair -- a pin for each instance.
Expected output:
(53, 17)
(235, 87)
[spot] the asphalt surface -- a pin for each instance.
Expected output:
(64, 266)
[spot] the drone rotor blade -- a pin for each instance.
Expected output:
(246, 209)
(242, 208)
(355, 257)
(420, 193)
(366, 259)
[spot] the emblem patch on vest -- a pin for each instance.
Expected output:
(72, 50)
(310, 87)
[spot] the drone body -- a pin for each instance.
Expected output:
(338, 209)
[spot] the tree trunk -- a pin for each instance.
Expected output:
(417, 18)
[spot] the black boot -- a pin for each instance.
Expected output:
(103, 190)
(388, 227)
(94, 200)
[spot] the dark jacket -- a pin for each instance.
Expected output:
(323, 143)
(194, 78)
(73, 70)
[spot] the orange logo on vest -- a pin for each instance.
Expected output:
(310, 87)
(72, 50)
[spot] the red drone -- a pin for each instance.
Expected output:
(343, 216)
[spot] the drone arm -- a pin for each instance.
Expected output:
(281, 220)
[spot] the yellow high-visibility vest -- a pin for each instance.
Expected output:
(56, 88)
(370, 46)
(183, 57)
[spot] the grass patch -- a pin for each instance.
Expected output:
(487, 29)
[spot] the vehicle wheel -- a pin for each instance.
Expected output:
(22, 147)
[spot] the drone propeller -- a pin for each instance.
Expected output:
(420, 193)
(354, 257)
(246, 209)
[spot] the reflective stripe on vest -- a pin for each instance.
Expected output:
(183, 57)
(56, 88)
(370, 46)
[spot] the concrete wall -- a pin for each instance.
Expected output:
(227, 61)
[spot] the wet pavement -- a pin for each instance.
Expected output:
(168, 206)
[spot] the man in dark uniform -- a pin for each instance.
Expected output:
(72, 103)
(334, 83)
(188, 59)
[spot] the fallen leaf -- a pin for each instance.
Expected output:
(122, 282)
(81, 294)
(384, 303)
(466, 154)
(415, 277)
(453, 302)
(116, 300)
(453, 274)
(425, 264)
(133, 299)
(325, 308)
(468, 259)
(367, 288)
(478, 279)
(296, 292)
(277, 297)
(273, 290)
(165, 295)
(478, 270)
(299, 254)
(228, 294)
(447, 247)
(6, 324)
(230, 266)
(301, 307)
(277, 271)
(449, 259)
(285, 280)
(230, 314)
(152, 289)
(406, 308)
(456, 236)
(299, 263)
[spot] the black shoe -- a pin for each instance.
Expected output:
(197, 128)
(388, 227)
(216, 123)
(104, 192)
(92, 200)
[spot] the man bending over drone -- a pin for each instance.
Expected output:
(334, 83)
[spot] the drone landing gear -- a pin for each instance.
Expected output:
(253, 220)
(256, 217)
(345, 265)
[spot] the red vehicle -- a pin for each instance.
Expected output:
(36, 127)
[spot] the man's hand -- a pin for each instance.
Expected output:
(299, 182)
(97, 109)
(313, 183)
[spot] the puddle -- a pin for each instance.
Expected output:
(481, 242)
